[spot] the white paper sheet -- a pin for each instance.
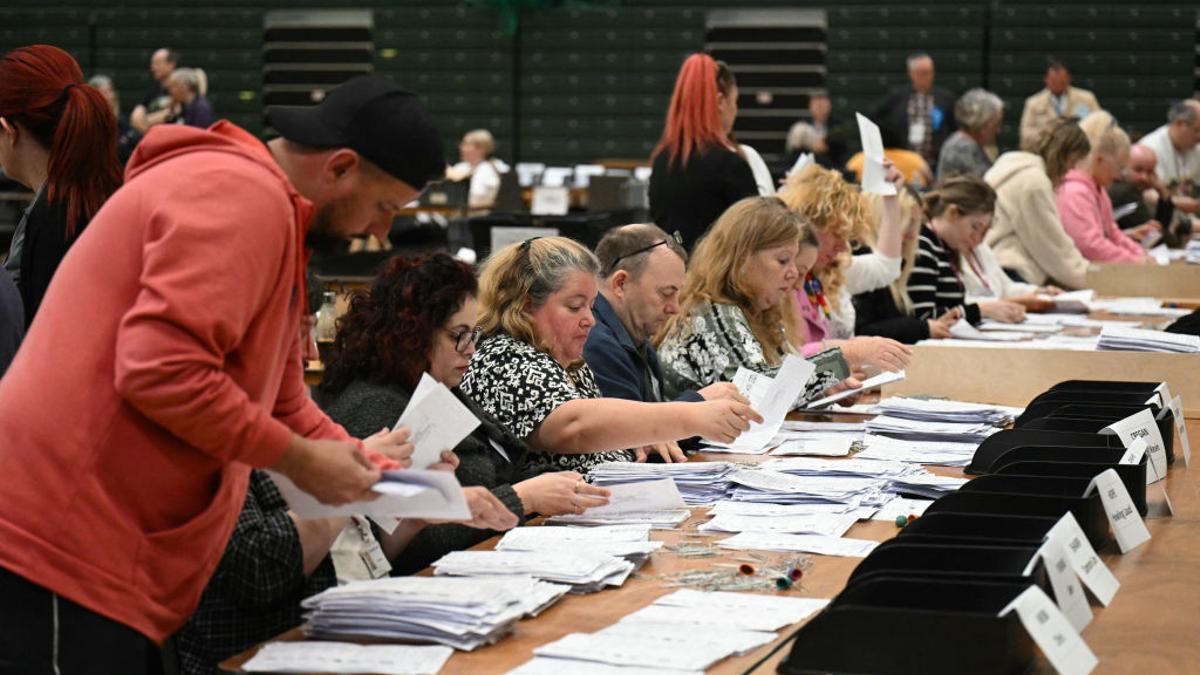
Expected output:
(874, 179)
(410, 493)
(804, 543)
(438, 420)
(347, 657)
(775, 403)
(867, 385)
(651, 495)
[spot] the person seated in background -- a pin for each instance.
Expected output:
(837, 214)
(699, 171)
(188, 103)
(959, 212)
(1082, 199)
(127, 136)
(420, 317)
(1026, 235)
(476, 162)
(888, 311)
(1175, 146)
(831, 136)
(1143, 204)
(732, 303)
(151, 109)
(536, 300)
(1057, 101)
(979, 114)
(918, 117)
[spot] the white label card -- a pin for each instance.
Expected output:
(1127, 523)
(1084, 560)
(1059, 641)
(1134, 453)
(1068, 593)
(550, 201)
(1181, 428)
(1142, 425)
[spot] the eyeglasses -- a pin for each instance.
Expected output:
(675, 236)
(465, 339)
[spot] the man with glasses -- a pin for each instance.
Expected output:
(644, 271)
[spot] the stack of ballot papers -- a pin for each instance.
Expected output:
(936, 410)
(347, 657)
(804, 427)
(1139, 340)
(654, 502)
(963, 330)
(686, 631)
(698, 482)
(775, 487)
(917, 452)
(583, 570)
(901, 506)
(816, 444)
(924, 430)
(1074, 302)
(459, 613)
(1136, 307)
(630, 542)
(925, 484)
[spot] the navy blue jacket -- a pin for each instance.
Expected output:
(614, 360)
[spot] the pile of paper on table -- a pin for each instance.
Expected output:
(656, 503)
(917, 452)
(686, 631)
(937, 410)
(924, 430)
(1140, 340)
(347, 657)
(698, 482)
(459, 613)
(775, 487)
(630, 542)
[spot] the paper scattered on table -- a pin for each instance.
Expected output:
(1072, 302)
(867, 385)
(874, 178)
(825, 427)
(460, 613)
(963, 330)
(1024, 327)
(584, 572)
(665, 520)
(644, 651)
(438, 420)
(653, 495)
(803, 543)
(408, 493)
(697, 482)
(1142, 340)
(830, 525)
(545, 665)
(347, 657)
(901, 506)
(919, 452)
(837, 445)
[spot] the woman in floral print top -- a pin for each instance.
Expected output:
(536, 299)
(732, 303)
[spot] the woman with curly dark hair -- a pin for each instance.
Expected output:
(420, 316)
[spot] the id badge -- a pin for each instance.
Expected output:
(375, 561)
(916, 133)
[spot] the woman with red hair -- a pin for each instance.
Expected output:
(58, 138)
(698, 170)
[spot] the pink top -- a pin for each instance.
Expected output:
(816, 324)
(1087, 215)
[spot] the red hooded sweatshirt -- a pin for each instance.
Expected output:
(163, 364)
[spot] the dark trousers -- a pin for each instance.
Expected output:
(42, 633)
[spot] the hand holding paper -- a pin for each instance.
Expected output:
(874, 179)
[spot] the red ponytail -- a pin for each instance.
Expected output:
(42, 89)
(693, 118)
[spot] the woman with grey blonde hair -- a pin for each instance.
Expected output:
(979, 114)
(535, 315)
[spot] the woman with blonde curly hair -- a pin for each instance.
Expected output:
(535, 302)
(731, 308)
(839, 215)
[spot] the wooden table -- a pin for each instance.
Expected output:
(1177, 280)
(1150, 627)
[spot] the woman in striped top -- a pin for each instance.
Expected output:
(960, 212)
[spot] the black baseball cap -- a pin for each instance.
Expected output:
(377, 119)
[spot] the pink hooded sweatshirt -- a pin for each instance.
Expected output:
(1087, 215)
(163, 364)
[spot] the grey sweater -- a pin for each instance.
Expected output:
(364, 408)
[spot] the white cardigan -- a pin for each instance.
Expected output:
(866, 273)
(990, 283)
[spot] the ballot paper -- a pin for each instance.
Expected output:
(347, 657)
(460, 613)
(963, 330)
(1074, 302)
(438, 420)
(825, 427)
(718, 607)
(1141, 340)
(550, 537)
(867, 384)
(655, 495)
(802, 161)
(901, 506)
(834, 445)
(645, 651)
(939, 410)
(659, 520)
(584, 572)
(929, 430)
(735, 638)
(730, 507)
(408, 493)
(803, 543)
(775, 401)
(863, 468)
(1024, 327)
(830, 525)
(697, 482)
(874, 178)
(928, 485)
(781, 488)
(545, 665)
(1143, 306)
(941, 453)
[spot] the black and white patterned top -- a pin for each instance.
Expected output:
(520, 385)
(710, 346)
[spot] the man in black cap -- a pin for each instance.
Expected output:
(127, 442)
